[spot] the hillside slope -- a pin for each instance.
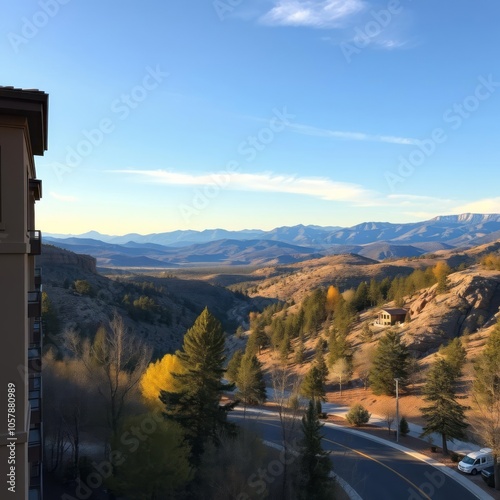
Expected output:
(177, 301)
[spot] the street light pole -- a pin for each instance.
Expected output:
(397, 410)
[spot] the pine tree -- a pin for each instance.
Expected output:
(234, 365)
(250, 381)
(366, 333)
(339, 347)
(285, 348)
(390, 362)
(455, 355)
(299, 354)
(315, 312)
(361, 298)
(320, 363)
(374, 293)
(315, 465)
(257, 340)
(404, 428)
(444, 415)
(278, 332)
(486, 393)
(313, 385)
(343, 316)
(197, 404)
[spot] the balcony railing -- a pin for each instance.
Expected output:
(34, 383)
(34, 304)
(34, 360)
(38, 277)
(36, 188)
(35, 445)
(35, 401)
(36, 333)
(35, 242)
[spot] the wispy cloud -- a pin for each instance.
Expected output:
(318, 187)
(63, 197)
(352, 136)
(483, 206)
(310, 13)
(391, 43)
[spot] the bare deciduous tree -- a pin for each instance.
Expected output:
(285, 384)
(341, 371)
(114, 362)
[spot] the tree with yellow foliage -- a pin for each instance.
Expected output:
(441, 271)
(332, 297)
(159, 377)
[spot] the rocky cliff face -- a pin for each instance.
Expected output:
(472, 301)
(57, 256)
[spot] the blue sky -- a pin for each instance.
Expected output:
(193, 114)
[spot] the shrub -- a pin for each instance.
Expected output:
(358, 415)
(83, 287)
(404, 429)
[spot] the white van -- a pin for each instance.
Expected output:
(476, 461)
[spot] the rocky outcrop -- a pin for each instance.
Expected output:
(54, 256)
(472, 301)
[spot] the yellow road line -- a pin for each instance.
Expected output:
(369, 458)
(382, 464)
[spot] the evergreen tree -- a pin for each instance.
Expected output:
(366, 333)
(487, 370)
(361, 297)
(455, 355)
(486, 393)
(314, 311)
(315, 465)
(250, 381)
(278, 332)
(299, 355)
(285, 348)
(50, 319)
(385, 286)
(404, 428)
(234, 365)
(196, 405)
(257, 340)
(390, 362)
(319, 361)
(313, 385)
(374, 293)
(444, 414)
(293, 324)
(339, 347)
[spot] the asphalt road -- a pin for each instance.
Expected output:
(375, 471)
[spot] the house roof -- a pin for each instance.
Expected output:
(394, 311)
(32, 104)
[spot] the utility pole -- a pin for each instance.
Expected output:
(397, 410)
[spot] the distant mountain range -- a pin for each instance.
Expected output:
(375, 240)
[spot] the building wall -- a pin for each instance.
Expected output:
(16, 279)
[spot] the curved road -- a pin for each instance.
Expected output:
(376, 471)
